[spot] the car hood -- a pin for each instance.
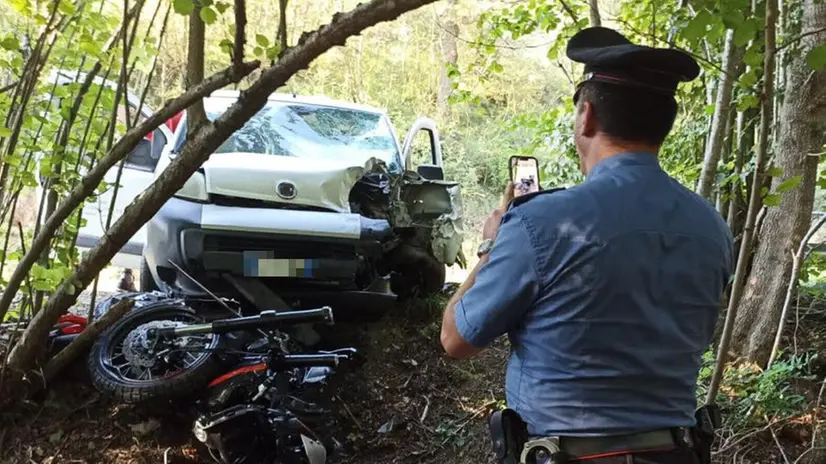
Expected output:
(318, 183)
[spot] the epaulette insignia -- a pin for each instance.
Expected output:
(525, 198)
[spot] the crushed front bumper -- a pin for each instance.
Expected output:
(291, 249)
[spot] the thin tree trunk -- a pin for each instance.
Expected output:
(195, 115)
(594, 11)
(754, 201)
(801, 133)
(745, 142)
(450, 55)
(195, 151)
(719, 121)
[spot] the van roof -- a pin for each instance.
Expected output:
(303, 99)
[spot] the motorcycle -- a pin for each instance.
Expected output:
(261, 395)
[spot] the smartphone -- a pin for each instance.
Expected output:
(524, 172)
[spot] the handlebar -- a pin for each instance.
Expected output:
(265, 319)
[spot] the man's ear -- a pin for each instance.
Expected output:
(587, 120)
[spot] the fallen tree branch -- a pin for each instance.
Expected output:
(85, 339)
(797, 262)
(195, 151)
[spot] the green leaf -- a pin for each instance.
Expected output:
(709, 109)
(5, 131)
(226, 45)
(789, 184)
(745, 32)
(183, 7)
(733, 19)
(272, 52)
(696, 28)
(221, 7)
(497, 67)
(774, 171)
(262, 40)
(258, 51)
(208, 15)
(748, 79)
(816, 58)
(754, 56)
(771, 199)
(747, 101)
(67, 8)
(10, 43)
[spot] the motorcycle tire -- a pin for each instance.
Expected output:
(110, 381)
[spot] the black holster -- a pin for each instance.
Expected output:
(509, 434)
(709, 418)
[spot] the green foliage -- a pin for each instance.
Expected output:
(816, 58)
(183, 7)
(747, 393)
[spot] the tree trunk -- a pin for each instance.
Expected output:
(745, 143)
(594, 11)
(195, 151)
(755, 202)
(195, 114)
(802, 132)
(450, 55)
(720, 119)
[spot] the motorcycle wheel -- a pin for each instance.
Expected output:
(121, 366)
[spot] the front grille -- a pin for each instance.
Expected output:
(280, 247)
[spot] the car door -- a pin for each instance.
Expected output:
(429, 198)
(136, 176)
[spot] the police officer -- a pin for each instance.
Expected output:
(608, 291)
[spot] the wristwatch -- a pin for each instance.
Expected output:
(484, 247)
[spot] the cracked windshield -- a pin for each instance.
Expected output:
(310, 131)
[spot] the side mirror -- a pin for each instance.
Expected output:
(431, 172)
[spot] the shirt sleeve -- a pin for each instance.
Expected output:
(504, 289)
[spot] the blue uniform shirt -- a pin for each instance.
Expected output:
(609, 292)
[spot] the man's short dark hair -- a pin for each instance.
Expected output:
(630, 114)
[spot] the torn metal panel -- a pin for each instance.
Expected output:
(417, 202)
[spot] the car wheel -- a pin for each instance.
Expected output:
(418, 274)
(147, 283)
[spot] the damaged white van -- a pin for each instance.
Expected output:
(315, 201)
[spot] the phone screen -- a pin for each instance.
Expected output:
(524, 172)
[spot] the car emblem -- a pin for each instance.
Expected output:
(286, 190)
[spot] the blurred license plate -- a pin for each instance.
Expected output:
(263, 264)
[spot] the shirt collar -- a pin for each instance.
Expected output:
(630, 158)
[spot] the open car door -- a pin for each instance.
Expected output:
(429, 198)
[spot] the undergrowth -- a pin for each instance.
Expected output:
(749, 394)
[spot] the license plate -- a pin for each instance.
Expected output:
(264, 264)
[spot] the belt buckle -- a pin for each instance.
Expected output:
(539, 450)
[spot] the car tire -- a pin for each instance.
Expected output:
(419, 274)
(147, 282)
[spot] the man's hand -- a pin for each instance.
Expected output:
(491, 226)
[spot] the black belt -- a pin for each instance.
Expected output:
(655, 440)
(582, 448)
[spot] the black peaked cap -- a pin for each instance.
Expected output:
(611, 58)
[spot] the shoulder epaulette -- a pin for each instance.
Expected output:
(527, 197)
